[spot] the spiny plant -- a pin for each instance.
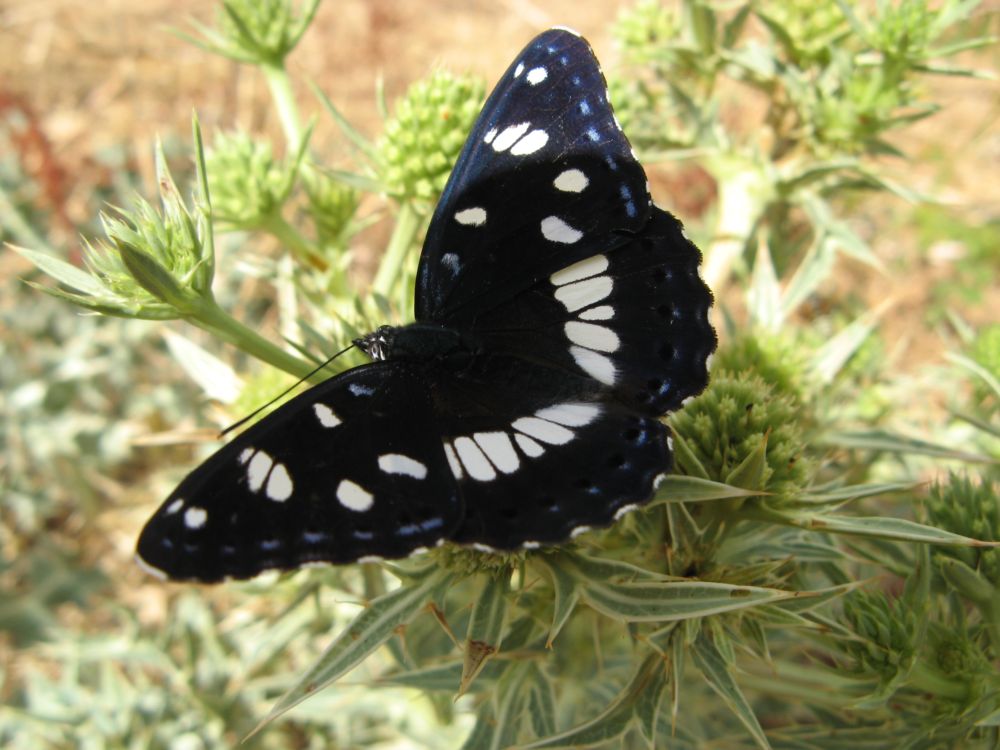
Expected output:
(777, 591)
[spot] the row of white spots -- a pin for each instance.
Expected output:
(355, 497)
(261, 470)
(194, 517)
(517, 139)
(579, 287)
(483, 454)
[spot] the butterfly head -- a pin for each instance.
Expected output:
(377, 343)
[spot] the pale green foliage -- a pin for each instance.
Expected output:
(757, 600)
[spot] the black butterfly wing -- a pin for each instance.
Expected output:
(634, 318)
(351, 469)
(539, 453)
(545, 178)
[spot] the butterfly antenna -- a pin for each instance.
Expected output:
(285, 392)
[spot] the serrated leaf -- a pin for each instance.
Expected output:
(882, 440)
(674, 600)
(764, 295)
(810, 273)
(677, 488)
(897, 529)
(541, 704)
(65, 273)
(976, 369)
(645, 688)
(369, 630)
(566, 592)
(842, 495)
(483, 637)
(686, 459)
(717, 674)
(834, 354)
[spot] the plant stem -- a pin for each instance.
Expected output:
(212, 318)
(739, 207)
(304, 249)
(403, 234)
(284, 101)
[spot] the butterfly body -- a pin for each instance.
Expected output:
(559, 315)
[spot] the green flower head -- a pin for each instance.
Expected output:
(730, 421)
(426, 133)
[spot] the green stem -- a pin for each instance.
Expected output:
(212, 318)
(284, 101)
(403, 235)
(303, 248)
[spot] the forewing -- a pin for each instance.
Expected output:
(633, 318)
(546, 177)
(349, 470)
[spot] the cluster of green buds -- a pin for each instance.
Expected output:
(722, 434)
(249, 186)
(807, 29)
(331, 205)
(154, 264)
(424, 136)
(886, 633)
(257, 31)
(972, 509)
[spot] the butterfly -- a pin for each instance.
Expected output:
(559, 314)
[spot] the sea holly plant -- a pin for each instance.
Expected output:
(783, 586)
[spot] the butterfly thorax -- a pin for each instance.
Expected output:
(422, 342)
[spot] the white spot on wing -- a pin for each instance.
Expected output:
(529, 446)
(360, 390)
(591, 266)
(519, 69)
(596, 365)
(604, 312)
(509, 135)
(474, 460)
(555, 229)
(571, 181)
(530, 143)
(592, 336)
(325, 415)
(537, 75)
(245, 455)
(474, 217)
(257, 471)
(453, 462)
(584, 293)
(175, 506)
(195, 517)
(570, 414)
(451, 261)
(353, 496)
(490, 135)
(499, 450)
(543, 430)
(279, 484)
(397, 463)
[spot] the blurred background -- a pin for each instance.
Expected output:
(101, 416)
